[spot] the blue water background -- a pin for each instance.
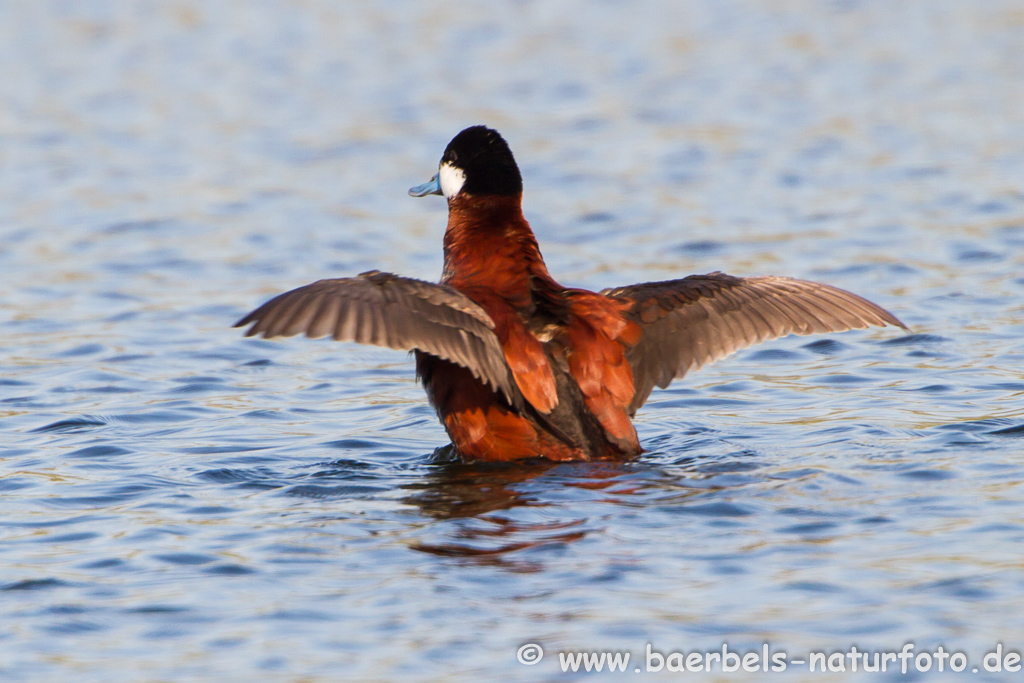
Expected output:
(180, 503)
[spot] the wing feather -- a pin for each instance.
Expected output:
(697, 320)
(396, 312)
(323, 323)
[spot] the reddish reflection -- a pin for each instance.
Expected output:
(471, 499)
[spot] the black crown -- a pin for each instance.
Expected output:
(484, 156)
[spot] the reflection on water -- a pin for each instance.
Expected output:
(180, 503)
(472, 493)
(458, 490)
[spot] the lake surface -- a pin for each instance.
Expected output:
(180, 503)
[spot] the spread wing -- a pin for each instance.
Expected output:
(397, 312)
(697, 320)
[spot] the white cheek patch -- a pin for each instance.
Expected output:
(452, 180)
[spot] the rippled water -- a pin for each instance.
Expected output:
(179, 503)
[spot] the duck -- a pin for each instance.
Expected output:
(518, 366)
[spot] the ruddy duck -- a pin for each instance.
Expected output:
(518, 366)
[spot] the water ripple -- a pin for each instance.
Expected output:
(181, 503)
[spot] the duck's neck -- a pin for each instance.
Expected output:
(489, 244)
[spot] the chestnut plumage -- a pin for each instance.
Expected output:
(518, 366)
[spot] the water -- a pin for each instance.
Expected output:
(180, 503)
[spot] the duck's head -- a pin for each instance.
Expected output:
(476, 162)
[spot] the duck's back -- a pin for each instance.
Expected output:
(574, 381)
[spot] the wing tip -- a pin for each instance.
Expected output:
(249, 318)
(253, 330)
(886, 317)
(896, 322)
